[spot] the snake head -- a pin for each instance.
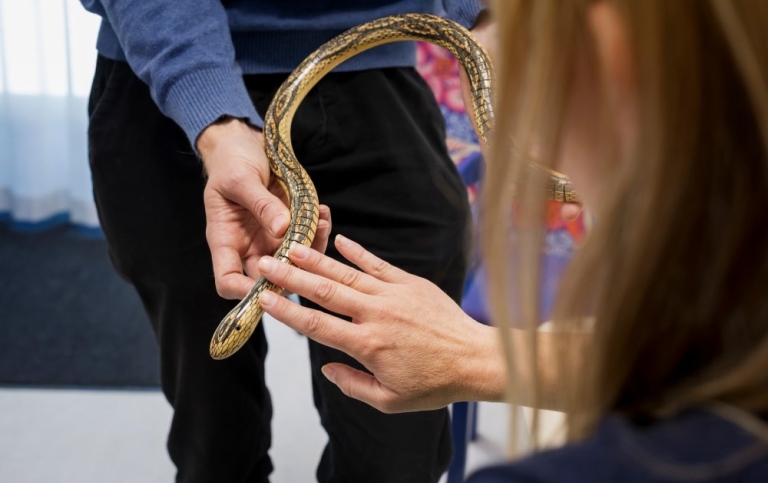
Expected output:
(236, 328)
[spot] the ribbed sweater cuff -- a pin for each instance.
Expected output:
(465, 12)
(200, 98)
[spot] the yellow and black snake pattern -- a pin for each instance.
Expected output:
(235, 329)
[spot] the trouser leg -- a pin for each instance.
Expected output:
(374, 144)
(148, 188)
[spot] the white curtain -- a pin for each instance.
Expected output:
(47, 57)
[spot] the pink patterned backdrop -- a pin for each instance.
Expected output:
(441, 71)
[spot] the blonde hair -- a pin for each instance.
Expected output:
(675, 272)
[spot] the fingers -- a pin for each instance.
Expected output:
(328, 293)
(318, 326)
(268, 210)
(324, 266)
(234, 286)
(323, 232)
(238, 172)
(361, 386)
(231, 283)
(368, 262)
(570, 211)
(338, 334)
(228, 245)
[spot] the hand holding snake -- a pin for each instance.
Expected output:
(239, 324)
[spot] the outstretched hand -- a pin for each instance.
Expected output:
(423, 351)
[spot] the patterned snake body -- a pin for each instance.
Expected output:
(235, 329)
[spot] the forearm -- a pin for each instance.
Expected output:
(481, 369)
(558, 353)
(184, 52)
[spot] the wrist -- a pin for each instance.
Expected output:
(226, 132)
(483, 373)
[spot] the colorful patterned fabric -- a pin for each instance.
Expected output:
(441, 72)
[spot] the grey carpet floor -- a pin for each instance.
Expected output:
(66, 318)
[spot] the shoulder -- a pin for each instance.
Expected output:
(587, 461)
(696, 446)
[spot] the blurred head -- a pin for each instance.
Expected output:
(658, 112)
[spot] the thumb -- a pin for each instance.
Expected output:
(243, 187)
(359, 385)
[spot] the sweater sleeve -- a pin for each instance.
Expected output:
(183, 51)
(465, 12)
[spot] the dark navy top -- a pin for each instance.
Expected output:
(695, 447)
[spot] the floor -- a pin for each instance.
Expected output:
(90, 436)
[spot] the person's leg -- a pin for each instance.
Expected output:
(148, 187)
(374, 144)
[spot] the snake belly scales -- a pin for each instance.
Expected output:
(235, 329)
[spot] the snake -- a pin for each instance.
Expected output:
(238, 325)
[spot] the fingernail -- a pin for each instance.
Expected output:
(267, 265)
(277, 225)
(343, 241)
(267, 298)
(299, 251)
(329, 373)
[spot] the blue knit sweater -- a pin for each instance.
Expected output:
(193, 53)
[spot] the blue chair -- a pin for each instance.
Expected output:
(464, 414)
(464, 428)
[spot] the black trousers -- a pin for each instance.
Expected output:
(373, 142)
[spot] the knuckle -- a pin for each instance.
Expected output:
(370, 346)
(261, 207)
(381, 310)
(379, 266)
(389, 402)
(421, 284)
(324, 290)
(350, 277)
(223, 289)
(220, 288)
(224, 181)
(285, 273)
(315, 260)
(386, 406)
(212, 236)
(314, 323)
(349, 390)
